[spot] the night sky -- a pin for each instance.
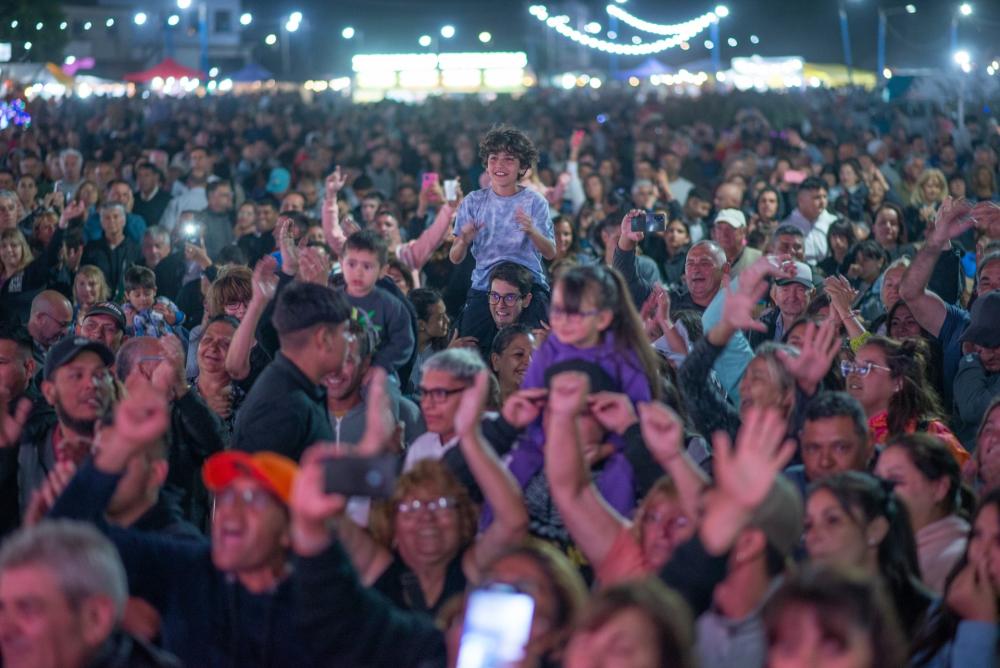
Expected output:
(784, 27)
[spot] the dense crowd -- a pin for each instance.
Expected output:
(573, 379)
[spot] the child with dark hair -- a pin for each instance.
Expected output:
(504, 222)
(145, 313)
(365, 258)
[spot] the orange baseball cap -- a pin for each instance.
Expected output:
(275, 472)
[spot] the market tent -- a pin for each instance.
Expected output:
(648, 68)
(165, 69)
(251, 72)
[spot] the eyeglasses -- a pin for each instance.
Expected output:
(256, 499)
(575, 316)
(437, 394)
(862, 369)
(92, 327)
(509, 299)
(433, 506)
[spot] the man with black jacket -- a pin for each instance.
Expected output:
(224, 603)
(113, 253)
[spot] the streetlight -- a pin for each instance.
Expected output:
(39, 25)
(964, 9)
(721, 12)
(295, 17)
(485, 37)
(110, 23)
(246, 18)
(424, 41)
(214, 72)
(140, 18)
(883, 18)
(347, 33)
(291, 26)
(27, 46)
(173, 20)
(448, 31)
(271, 39)
(183, 4)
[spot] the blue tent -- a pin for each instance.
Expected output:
(648, 68)
(251, 72)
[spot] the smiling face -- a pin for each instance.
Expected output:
(346, 381)
(503, 313)
(792, 298)
(437, 322)
(11, 254)
(424, 536)
(213, 346)
(902, 324)
(702, 273)
(504, 169)
(247, 535)
(511, 365)
(563, 236)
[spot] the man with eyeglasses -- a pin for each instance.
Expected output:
(508, 298)
(104, 322)
(224, 602)
(834, 436)
(51, 314)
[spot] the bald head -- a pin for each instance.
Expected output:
(131, 354)
(51, 314)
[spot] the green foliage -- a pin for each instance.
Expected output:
(48, 43)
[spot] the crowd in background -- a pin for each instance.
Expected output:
(708, 381)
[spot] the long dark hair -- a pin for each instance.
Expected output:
(609, 291)
(916, 400)
(841, 599)
(943, 625)
(865, 498)
(934, 460)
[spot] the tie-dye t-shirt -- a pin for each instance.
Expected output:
(501, 239)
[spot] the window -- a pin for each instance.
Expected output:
(223, 21)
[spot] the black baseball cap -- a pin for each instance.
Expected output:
(984, 321)
(109, 309)
(66, 350)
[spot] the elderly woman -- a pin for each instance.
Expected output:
(212, 383)
(229, 296)
(443, 377)
(423, 546)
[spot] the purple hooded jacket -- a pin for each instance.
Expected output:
(615, 481)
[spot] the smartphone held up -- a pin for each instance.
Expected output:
(649, 223)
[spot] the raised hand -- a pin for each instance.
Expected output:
(335, 182)
(524, 406)
(379, 421)
(662, 431)
(820, 346)
(953, 219)
(631, 238)
(740, 305)
(11, 425)
(43, 498)
(74, 209)
(470, 407)
(265, 279)
(288, 247)
(986, 215)
(568, 393)
(468, 233)
(746, 475)
(314, 267)
(613, 411)
(842, 294)
(463, 341)
(524, 221)
(168, 376)
(312, 509)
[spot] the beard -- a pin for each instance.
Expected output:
(82, 426)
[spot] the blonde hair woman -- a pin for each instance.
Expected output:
(21, 274)
(932, 188)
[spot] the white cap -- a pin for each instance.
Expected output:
(803, 276)
(732, 217)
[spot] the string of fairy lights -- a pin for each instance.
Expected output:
(675, 35)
